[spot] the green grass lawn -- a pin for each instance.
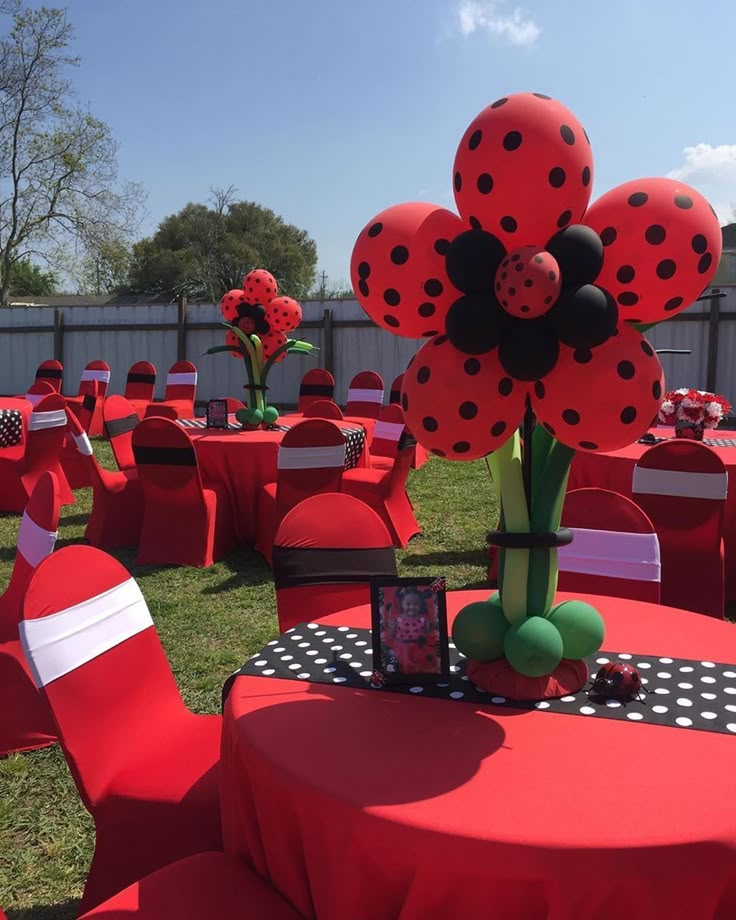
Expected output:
(209, 621)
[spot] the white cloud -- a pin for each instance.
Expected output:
(712, 171)
(513, 26)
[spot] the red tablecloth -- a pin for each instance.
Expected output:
(614, 470)
(373, 806)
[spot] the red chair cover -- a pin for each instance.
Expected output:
(96, 372)
(233, 405)
(39, 389)
(184, 522)
(19, 474)
(325, 551)
(386, 437)
(140, 385)
(421, 454)
(395, 391)
(75, 466)
(120, 419)
(324, 408)
(316, 384)
(365, 395)
(681, 485)
(144, 765)
(311, 459)
(615, 550)
(52, 372)
(25, 720)
(208, 886)
(181, 390)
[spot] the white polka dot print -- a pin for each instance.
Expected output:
(634, 716)
(683, 721)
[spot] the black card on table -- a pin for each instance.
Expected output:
(217, 413)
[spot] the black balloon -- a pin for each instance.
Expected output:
(475, 323)
(472, 260)
(529, 349)
(579, 253)
(584, 316)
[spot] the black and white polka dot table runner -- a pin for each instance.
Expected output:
(681, 693)
(11, 427)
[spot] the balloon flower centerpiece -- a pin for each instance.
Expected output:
(534, 305)
(257, 319)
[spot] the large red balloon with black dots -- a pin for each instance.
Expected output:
(523, 169)
(398, 268)
(662, 243)
(260, 287)
(459, 406)
(602, 398)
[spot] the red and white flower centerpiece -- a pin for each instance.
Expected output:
(692, 411)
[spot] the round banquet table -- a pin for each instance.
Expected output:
(614, 470)
(377, 806)
(16, 404)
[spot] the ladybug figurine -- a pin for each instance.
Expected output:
(618, 681)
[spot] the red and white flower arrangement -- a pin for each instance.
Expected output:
(693, 407)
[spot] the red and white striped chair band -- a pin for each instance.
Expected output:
(388, 431)
(61, 642)
(304, 458)
(368, 396)
(680, 484)
(178, 380)
(612, 554)
(82, 443)
(34, 542)
(102, 376)
(40, 420)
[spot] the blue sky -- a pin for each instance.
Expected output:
(327, 111)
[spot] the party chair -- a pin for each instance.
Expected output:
(20, 473)
(181, 390)
(207, 886)
(25, 719)
(394, 396)
(37, 391)
(52, 372)
(140, 385)
(324, 408)
(365, 395)
(96, 372)
(233, 405)
(615, 550)
(325, 551)
(117, 498)
(317, 383)
(387, 435)
(185, 521)
(120, 419)
(682, 486)
(421, 454)
(311, 459)
(76, 469)
(145, 767)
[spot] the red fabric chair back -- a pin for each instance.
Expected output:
(120, 420)
(95, 372)
(395, 394)
(86, 410)
(615, 550)
(96, 657)
(365, 395)
(51, 371)
(233, 405)
(181, 381)
(46, 430)
(324, 408)
(326, 550)
(141, 381)
(38, 390)
(166, 463)
(78, 438)
(388, 431)
(311, 459)
(316, 384)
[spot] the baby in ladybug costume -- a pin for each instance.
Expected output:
(412, 634)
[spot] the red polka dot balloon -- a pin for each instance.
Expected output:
(260, 287)
(230, 303)
(602, 398)
(458, 406)
(662, 243)
(528, 282)
(283, 314)
(271, 342)
(398, 268)
(523, 169)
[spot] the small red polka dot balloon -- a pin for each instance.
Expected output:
(230, 303)
(662, 243)
(260, 287)
(283, 314)
(528, 282)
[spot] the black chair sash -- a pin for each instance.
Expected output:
(117, 426)
(165, 456)
(297, 567)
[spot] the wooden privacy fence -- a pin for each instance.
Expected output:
(348, 342)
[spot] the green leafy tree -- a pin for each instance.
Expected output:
(29, 280)
(58, 163)
(104, 268)
(331, 290)
(206, 249)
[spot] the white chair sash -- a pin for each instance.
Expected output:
(178, 380)
(369, 396)
(612, 554)
(102, 376)
(40, 420)
(680, 484)
(34, 543)
(304, 458)
(61, 642)
(83, 444)
(388, 431)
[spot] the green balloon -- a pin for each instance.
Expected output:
(533, 647)
(479, 629)
(270, 414)
(581, 627)
(242, 415)
(256, 416)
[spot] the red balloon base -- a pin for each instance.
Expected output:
(499, 678)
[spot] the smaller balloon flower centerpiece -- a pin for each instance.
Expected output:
(257, 320)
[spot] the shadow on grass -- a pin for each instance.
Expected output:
(73, 519)
(67, 910)
(446, 557)
(248, 569)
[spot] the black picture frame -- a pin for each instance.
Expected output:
(217, 413)
(400, 662)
